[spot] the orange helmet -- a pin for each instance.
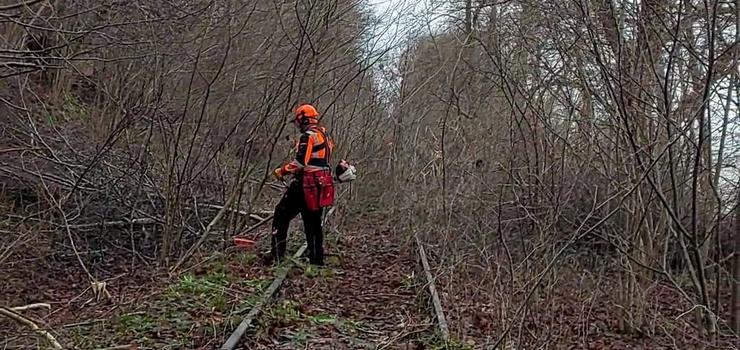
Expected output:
(306, 114)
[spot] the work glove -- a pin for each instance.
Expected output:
(278, 173)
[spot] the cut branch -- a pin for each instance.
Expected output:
(28, 323)
(31, 307)
(436, 302)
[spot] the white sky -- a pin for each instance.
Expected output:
(401, 19)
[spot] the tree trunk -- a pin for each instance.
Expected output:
(468, 16)
(736, 270)
(736, 259)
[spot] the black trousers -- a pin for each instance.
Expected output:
(289, 206)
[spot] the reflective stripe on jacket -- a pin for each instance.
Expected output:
(313, 152)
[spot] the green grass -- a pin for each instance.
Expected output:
(351, 326)
(322, 319)
(409, 281)
(289, 311)
(311, 271)
(208, 290)
(246, 258)
(304, 325)
(436, 343)
(89, 336)
(192, 308)
(286, 310)
(244, 305)
(70, 109)
(135, 323)
(334, 261)
(255, 283)
(202, 304)
(301, 337)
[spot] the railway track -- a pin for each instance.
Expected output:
(367, 298)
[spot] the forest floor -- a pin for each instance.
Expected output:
(367, 296)
(370, 295)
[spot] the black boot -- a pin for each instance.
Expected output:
(316, 260)
(270, 259)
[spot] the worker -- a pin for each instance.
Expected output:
(311, 190)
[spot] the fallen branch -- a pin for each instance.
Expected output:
(265, 212)
(28, 323)
(31, 307)
(8, 251)
(15, 171)
(141, 221)
(437, 303)
(208, 229)
(237, 211)
(257, 225)
(119, 347)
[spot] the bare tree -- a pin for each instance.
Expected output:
(553, 119)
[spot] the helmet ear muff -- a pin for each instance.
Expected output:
(300, 117)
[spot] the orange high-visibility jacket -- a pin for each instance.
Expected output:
(313, 152)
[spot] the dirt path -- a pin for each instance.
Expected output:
(364, 298)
